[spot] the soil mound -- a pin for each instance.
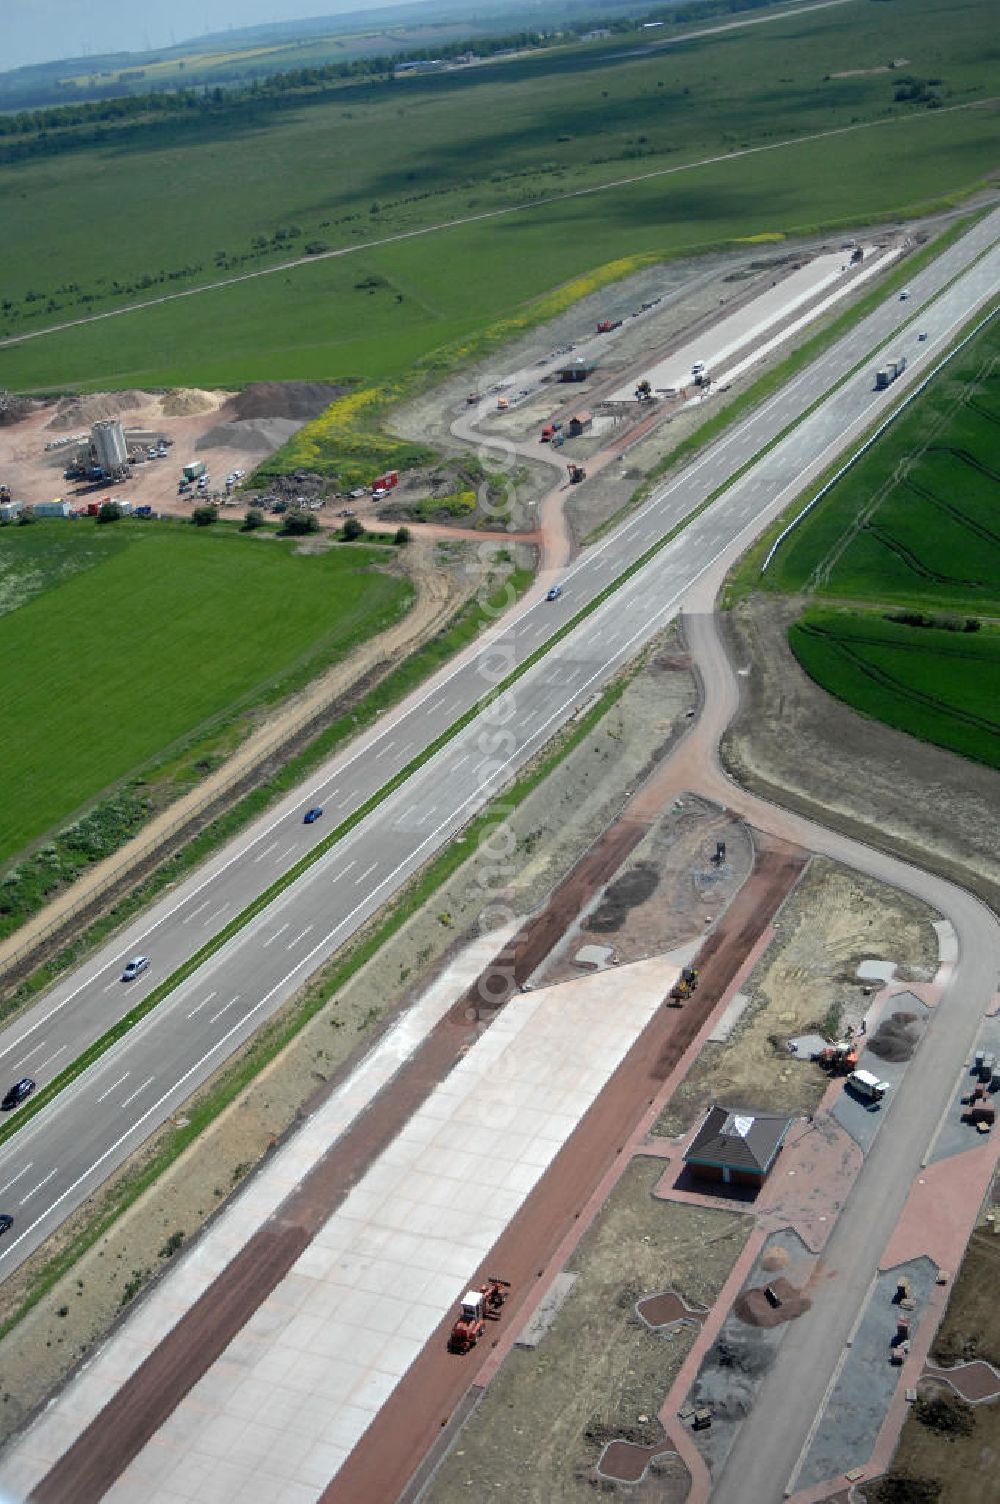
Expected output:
(775, 1258)
(186, 401)
(80, 412)
(625, 893)
(896, 1037)
(659, 1310)
(301, 400)
(753, 1306)
(250, 436)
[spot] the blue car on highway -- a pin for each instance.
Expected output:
(312, 815)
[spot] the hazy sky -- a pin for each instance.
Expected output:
(37, 31)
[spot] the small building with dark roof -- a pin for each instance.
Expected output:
(737, 1145)
(577, 370)
(579, 423)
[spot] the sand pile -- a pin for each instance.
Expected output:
(251, 435)
(80, 412)
(775, 1258)
(186, 401)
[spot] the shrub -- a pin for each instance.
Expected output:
(352, 530)
(205, 516)
(297, 522)
(401, 537)
(253, 520)
(109, 511)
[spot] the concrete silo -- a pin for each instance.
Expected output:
(110, 450)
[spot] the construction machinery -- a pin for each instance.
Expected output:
(840, 1058)
(684, 985)
(644, 392)
(606, 325)
(576, 474)
(478, 1307)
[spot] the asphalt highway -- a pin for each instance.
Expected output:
(61, 1156)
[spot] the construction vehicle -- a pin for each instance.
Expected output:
(478, 1307)
(576, 474)
(644, 391)
(502, 404)
(685, 984)
(606, 325)
(839, 1059)
(387, 482)
(547, 434)
(4, 493)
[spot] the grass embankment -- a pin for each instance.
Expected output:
(158, 633)
(526, 135)
(911, 526)
(273, 1038)
(465, 626)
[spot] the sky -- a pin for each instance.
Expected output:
(40, 31)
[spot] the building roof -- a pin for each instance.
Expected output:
(738, 1138)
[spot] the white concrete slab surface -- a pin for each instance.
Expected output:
(284, 1405)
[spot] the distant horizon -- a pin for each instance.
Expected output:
(109, 26)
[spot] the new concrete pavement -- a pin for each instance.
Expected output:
(61, 1156)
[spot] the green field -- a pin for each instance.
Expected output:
(909, 540)
(372, 161)
(941, 686)
(916, 521)
(161, 630)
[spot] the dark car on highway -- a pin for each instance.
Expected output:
(554, 593)
(6, 1223)
(312, 815)
(17, 1094)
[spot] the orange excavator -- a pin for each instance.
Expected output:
(478, 1307)
(840, 1058)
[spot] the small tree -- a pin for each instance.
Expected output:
(298, 522)
(401, 537)
(253, 520)
(26, 516)
(109, 511)
(352, 530)
(205, 516)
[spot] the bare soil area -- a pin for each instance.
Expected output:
(666, 894)
(599, 1373)
(793, 742)
(805, 981)
(552, 828)
(229, 430)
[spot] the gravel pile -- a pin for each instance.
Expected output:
(251, 435)
(301, 400)
(896, 1037)
(187, 401)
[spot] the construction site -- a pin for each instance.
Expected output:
(543, 1229)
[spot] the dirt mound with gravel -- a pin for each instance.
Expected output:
(252, 436)
(79, 412)
(775, 1258)
(625, 893)
(187, 402)
(300, 400)
(753, 1306)
(896, 1037)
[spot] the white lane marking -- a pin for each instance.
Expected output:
(61, 1050)
(271, 938)
(367, 873)
(116, 1085)
(213, 917)
(264, 853)
(203, 1004)
(25, 1058)
(195, 912)
(25, 1199)
(461, 762)
(387, 748)
(225, 1007)
(292, 943)
(428, 813)
(287, 851)
(116, 981)
(344, 870)
(139, 1089)
(405, 748)
(15, 1178)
